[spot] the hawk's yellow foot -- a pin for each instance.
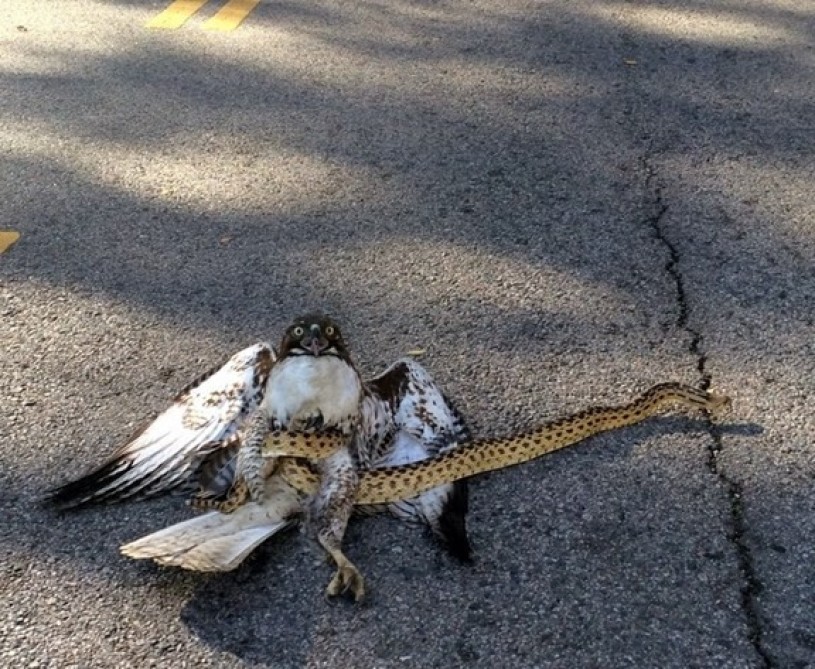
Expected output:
(346, 579)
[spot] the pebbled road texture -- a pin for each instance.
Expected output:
(564, 203)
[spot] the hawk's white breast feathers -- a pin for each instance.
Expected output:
(304, 386)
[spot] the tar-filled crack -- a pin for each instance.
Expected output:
(751, 586)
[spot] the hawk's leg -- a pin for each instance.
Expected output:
(251, 463)
(331, 509)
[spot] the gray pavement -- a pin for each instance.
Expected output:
(564, 203)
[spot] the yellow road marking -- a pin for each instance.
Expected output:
(231, 15)
(7, 239)
(176, 15)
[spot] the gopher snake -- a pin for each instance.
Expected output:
(388, 484)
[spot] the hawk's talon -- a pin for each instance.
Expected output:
(313, 424)
(347, 579)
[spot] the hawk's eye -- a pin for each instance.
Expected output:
(298, 331)
(330, 331)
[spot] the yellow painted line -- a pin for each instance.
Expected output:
(7, 239)
(176, 15)
(231, 15)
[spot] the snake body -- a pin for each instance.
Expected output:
(389, 484)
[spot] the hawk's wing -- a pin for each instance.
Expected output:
(424, 423)
(164, 455)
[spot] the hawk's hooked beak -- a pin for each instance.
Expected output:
(315, 344)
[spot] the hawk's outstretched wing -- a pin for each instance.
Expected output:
(164, 455)
(423, 423)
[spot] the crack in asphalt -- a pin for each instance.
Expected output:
(751, 586)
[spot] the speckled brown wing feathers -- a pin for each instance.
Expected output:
(166, 454)
(423, 423)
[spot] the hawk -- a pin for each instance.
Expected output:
(212, 432)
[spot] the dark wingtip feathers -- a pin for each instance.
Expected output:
(452, 524)
(85, 491)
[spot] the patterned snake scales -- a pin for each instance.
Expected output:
(389, 484)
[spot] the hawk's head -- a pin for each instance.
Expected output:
(313, 334)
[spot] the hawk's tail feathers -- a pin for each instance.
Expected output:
(216, 541)
(199, 546)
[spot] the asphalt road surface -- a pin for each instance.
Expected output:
(562, 202)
